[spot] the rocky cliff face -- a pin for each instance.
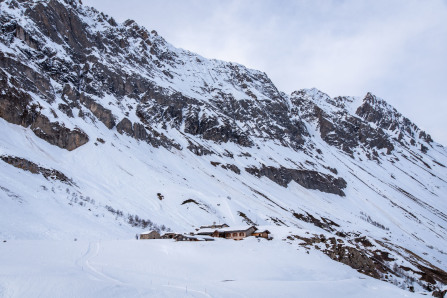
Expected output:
(142, 120)
(373, 126)
(17, 106)
(228, 102)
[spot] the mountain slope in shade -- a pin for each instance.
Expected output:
(107, 129)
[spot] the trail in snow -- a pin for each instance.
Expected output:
(85, 264)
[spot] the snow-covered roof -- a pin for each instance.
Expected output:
(206, 238)
(199, 238)
(236, 228)
(148, 232)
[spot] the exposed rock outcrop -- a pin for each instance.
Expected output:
(17, 107)
(377, 259)
(56, 134)
(29, 166)
(339, 129)
(216, 119)
(324, 223)
(74, 98)
(146, 134)
(306, 178)
(198, 149)
(377, 111)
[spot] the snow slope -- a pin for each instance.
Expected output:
(163, 268)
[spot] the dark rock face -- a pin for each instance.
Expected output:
(440, 294)
(177, 109)
(356, 259)
(103, 114)
(29, 166)
(228, 166)
(365, 261)
(231, 167)
(158, 106)
(146, 134)
(26, 78)
(198, 149)
(73, 98)
(125, 126)
(348, 133)
(305, 178)
(66, 110)
(270, 119)
(377, 111)
(324, 223)
(339, 129)
(210, 129)
(140, 132)
(14, 104)
(56, 134)
(16, 107)
(85, 76)
(374, 258)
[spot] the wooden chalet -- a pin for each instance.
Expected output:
(184, 237)
(181, 237)
(208, 233)
(262, 234)
(150, 235)
(169, 236)
(235, 233)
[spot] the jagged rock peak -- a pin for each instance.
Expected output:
(376, 110)
(322, 99)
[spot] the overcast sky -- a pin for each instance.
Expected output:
(397, 49)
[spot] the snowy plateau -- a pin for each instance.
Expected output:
(108, 131)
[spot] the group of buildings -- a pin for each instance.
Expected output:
(208, 233)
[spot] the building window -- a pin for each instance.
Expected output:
(241, 234)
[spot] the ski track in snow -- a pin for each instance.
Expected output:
(85, 264)
(164, 268)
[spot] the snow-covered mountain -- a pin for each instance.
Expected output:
(107, 129)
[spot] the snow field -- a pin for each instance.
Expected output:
(164, 268)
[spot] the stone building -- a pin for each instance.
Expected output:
(150, 235)
(262, 234)
(235, 233)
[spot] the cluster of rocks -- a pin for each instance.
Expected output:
(306, 178)
(325, 223)
(374, 126)
(227, 166)
(17, 107)
(377, 111)
(30, 166)
(339, 128)
(376, 258)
